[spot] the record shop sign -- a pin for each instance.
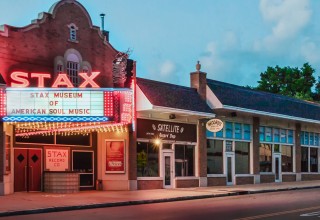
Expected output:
(164, 130)
(214, 125)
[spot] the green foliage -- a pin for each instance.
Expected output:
(293, 82)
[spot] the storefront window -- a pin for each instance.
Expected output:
(214, 157)
(219, 133)
(283, 136)
(286, 158)
(290, 136)
(247, 132)
(316, 139)
(265, 158)
(237, 131)
(242, 157)
(276, 135)
(313, 159)
(304, 159)
(184, 160)
(268, 134)
(82, 162)
(262, 134)
(229, 130)
(306, 138)
(147, 160)
(311, 141)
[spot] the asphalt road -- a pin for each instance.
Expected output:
(297, 204)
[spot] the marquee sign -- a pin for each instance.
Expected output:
(68, 105)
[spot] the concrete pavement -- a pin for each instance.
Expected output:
(40, 202)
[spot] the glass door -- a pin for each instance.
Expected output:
(230, 169)
(168, 170)
(277, 167)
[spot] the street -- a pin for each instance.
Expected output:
(296, 204)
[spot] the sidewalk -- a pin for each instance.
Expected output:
(40, 202)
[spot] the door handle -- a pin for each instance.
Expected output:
(25, 177)
(31, 174)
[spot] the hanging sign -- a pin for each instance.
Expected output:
(214, 125)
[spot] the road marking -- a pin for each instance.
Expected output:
(311, 214)
(278, 213)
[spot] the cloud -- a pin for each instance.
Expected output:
(167, 68)
(310, 51)
(287, 19)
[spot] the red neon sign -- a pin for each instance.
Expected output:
(21, 79)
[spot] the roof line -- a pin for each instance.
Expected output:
(155, 107)
(229, 107)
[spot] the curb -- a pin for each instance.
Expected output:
(150, 201)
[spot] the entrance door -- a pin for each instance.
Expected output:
(230, 169)
(168, 170)
(27, 170)
(277, 167)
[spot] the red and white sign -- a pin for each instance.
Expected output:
(115, 157)
(57, 159)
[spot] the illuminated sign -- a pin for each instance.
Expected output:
(54, 103)
(21, 79)
(68, 105)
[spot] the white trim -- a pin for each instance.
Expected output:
(229, 107)
(216, 175)
(150, 178)
(143, 102)
(212, 100)
(244, 175)
(186, 178)
(195, 113)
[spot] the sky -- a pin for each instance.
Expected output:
(234, 40)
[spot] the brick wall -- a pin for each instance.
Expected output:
(306, 177)
(242, 180)
(255, 145)
(187, 183)
(267, 178)
(150, 184)
(288, 177)
(217, 181)
(33, 48)
(298, 147)
(202, 146)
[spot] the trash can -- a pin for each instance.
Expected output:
(99, 185)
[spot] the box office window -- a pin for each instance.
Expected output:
(184, 160)
(313, 159)
(147, 159)
(214, 157)
(242, 157)
(304, 159)
(286, 158)
(265, 157)
(82, 162)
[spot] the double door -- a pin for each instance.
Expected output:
(27, 170)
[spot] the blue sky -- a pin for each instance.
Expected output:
(235, 40)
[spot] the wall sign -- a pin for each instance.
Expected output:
(57, 159)
(115, 157)
(214, 125)
(151, 129)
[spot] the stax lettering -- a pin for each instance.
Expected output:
(21, 79)
(57, 154)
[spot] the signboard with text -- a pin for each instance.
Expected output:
(164, 130)
(115, 157)
(57, 159)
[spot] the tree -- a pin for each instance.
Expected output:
(289, 81)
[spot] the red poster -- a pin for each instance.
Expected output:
(115, 157)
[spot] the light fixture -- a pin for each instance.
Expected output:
(157, 142)
(172, 116)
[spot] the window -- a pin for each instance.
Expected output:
(82, 162)
(72, 71)
(238, 131)
(276, 135)
(247, 132)
(261, 135)
(147, 160)
(214, 157)
(72, 32)
(268, 136)
(59, 68)
(229, 130)
(265, 158)
(313, 159)
(283, 136)
(286, 158)
(242, 157)
(304, 159)
(290, 136)
(311, 140)
(184, 160)
(316, 139)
